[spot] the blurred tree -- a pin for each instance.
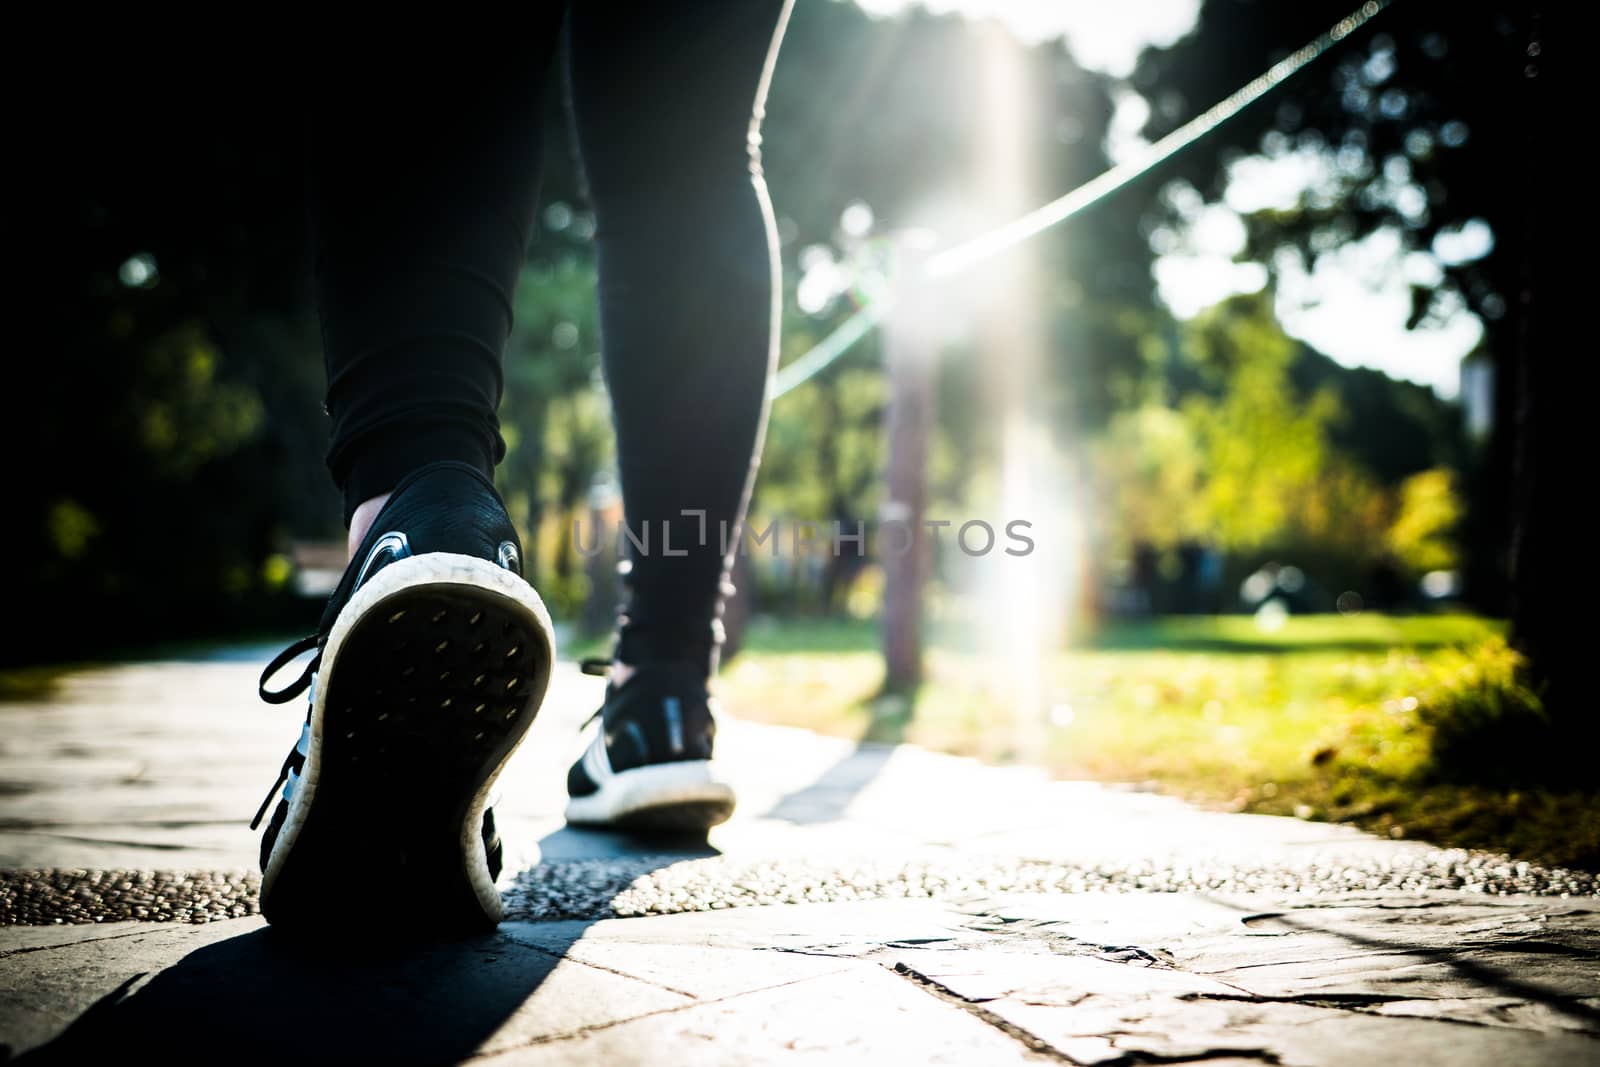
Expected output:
(1149, 468)
(1393, 428)
(552, 363)
(1264, 452)
(1422, 535)
(890, 113)
(162, 425)
(823, 462)
(1427, 125)
(1232, 454)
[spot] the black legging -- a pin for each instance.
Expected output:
(422, 201)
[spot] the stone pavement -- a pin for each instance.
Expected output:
(866, 903)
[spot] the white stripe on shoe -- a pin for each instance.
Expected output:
(596, 764)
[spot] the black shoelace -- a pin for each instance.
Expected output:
(283, 659)
(283, 696)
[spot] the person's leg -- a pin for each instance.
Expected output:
(433, 654)
(667, 101)
(422, 193)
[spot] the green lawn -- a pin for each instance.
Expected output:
(1327, 718)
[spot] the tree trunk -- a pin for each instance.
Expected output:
(903, 539)
(1542, 610)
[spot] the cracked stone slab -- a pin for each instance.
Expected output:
(1049, 979)
(544, 993)
(1576, 1014)
(53, 983)
(238, 986)
(1102, 978)
(1095, 978)
(1326, 983)
(698, 971)
(862, 1015)
(31, 938)
(1465, 957)
(1141, 1029)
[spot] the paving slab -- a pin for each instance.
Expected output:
(860, 1016)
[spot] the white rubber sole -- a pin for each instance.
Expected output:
(450, 572)
(687, 795)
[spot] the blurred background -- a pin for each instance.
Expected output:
(1269, 410)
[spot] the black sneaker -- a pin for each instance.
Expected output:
(648, 768)
(431, 662)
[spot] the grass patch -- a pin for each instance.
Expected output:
(29, 685)
(1410, 727)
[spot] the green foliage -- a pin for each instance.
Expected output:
(1419, 125)
(1390, 428)
(1264, 454)
(1487, 724)
(182, 414)
(1266, 460)
(1229, 451)
(1425, 100)
(1151, 469)
(554, 414)
(1430, 510)
(72, 528)
(824, 450)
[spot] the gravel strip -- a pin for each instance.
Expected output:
(632, 887)
(644, 885)
(39, 898)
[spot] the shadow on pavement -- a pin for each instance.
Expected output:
(828, 798)
(576, 843)
(262, 996)
(373, 996)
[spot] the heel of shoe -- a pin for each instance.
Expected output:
(432, 676)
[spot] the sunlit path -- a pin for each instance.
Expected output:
(972, 912)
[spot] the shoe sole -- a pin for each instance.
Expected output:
(667, 798)
(431, 676)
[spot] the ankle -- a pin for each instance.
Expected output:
(692, 647)
(361, 522)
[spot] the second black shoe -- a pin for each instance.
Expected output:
(648, 769)
(430, 664)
